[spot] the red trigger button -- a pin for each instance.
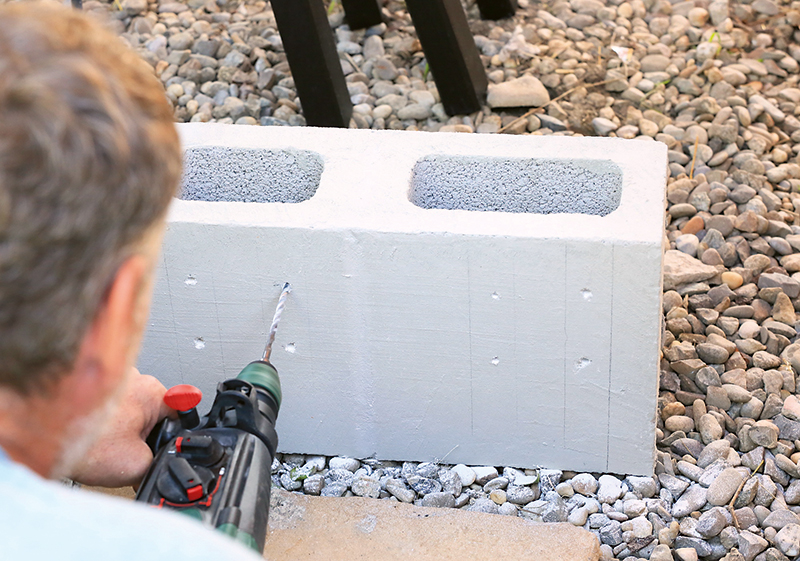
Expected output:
(195, 493)
(183, 397)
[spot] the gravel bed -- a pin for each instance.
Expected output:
(715, 82)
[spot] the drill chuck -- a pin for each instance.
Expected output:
(262, 374)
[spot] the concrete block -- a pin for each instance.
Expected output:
(509, 315)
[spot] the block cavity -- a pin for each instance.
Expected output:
(527, 185)
(218, 173)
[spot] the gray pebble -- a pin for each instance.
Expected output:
(334, 490)
(366, 486)
(438, 500)
(711, 523)
(423, 485)
(313, 484)
(520, 495)
(692, 499)
(398, 489)
(483, 505)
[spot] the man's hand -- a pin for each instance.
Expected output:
(120, 457)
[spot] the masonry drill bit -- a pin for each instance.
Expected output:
(275, 319)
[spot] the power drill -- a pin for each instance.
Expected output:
(218, 468)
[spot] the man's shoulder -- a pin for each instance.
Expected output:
(41, 519)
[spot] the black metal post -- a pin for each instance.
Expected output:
(451, 53)
(362, 13)
(311, 53)
(497, 9)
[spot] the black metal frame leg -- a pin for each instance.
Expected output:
(311, 53)
(362, 13)
(451, 53)
(497, 9)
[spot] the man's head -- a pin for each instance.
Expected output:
(89, 160)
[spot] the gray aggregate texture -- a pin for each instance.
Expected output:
(516, 185)
(252, 176)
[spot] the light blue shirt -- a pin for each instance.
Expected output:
(45, 520)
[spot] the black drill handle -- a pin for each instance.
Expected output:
(218, 470)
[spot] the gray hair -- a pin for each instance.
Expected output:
(89, 161)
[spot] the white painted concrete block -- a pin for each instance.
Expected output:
(509, 317)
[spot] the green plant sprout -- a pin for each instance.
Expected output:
(711, 39)
(302, 473)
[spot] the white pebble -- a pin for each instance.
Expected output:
(466, 474)
(584, 483)
(578, 516)
(565, 489)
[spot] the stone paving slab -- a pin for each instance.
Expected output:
(349, 529)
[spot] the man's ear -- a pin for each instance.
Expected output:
(112, 340)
